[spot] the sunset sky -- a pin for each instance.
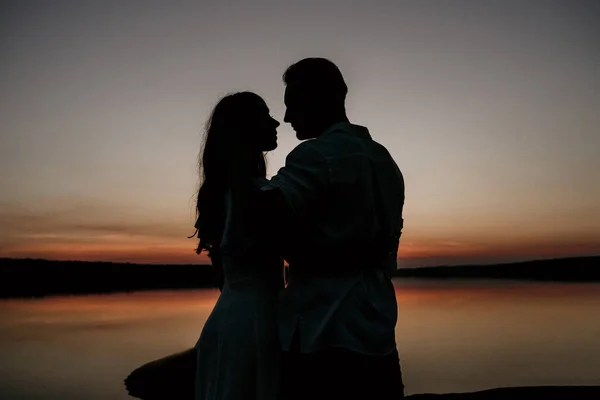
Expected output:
(490, 108)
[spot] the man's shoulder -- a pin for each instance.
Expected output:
(305, 145)
(354, 139)
(308, 149)
(335, 142)
(378, 149)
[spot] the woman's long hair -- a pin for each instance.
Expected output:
(229, 125)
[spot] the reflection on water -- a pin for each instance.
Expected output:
(452, 337)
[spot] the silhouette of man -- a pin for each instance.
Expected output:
(335, 209)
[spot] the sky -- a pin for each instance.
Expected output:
(490, 108)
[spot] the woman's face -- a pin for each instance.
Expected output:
(264, 126)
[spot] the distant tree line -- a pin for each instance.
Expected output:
(572, 269)
(37, 277)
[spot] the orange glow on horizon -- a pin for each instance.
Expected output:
(182, 251)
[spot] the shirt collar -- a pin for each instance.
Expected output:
(348, 128)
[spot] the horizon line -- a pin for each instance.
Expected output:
(525, 260)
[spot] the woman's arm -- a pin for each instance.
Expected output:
(218, 273)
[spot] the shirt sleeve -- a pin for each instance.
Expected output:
(304, 178)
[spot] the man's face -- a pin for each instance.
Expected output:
(299, 113)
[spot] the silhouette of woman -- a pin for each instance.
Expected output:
(238, 354)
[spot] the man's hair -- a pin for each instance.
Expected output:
(317, 76)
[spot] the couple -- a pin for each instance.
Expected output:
(334, 212)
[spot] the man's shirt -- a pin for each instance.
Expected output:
(344, 190)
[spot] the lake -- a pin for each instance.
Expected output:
(453, 336)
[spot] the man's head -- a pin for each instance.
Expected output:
(315, 96)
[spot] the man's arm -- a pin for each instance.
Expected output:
(291, 194)
(272, 213)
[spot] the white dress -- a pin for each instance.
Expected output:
(238, 351)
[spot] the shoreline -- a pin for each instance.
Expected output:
(172, 376)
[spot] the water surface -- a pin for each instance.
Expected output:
(453, 336)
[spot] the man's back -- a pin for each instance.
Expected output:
(347, 194)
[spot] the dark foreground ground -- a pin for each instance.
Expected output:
(512, 393)
(172, 377)
(520, 393)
